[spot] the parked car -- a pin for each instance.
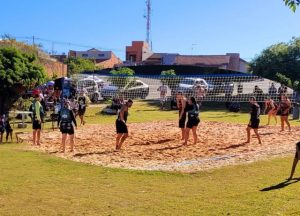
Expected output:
(134, 89)
(188, 85)
(93, 86)
(221, 87)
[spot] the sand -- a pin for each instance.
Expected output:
(157, 146)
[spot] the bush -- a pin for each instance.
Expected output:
(121, 77)
(170, 78)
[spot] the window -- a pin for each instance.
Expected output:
(101, 55)
(137, 84)
(85, 55)
(187, 82)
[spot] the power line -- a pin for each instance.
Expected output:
(53, 42)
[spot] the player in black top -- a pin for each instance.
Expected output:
(122, 131)
(182, 106)
(65, 122)
(193, 120)
(254, 119)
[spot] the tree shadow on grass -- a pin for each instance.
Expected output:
(280, 185)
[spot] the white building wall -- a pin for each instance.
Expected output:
(243, 67)
(94, 54)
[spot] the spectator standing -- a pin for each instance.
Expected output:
(163, 89)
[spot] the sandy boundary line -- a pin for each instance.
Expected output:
(157, 146)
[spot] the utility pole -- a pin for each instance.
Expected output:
(33, 43)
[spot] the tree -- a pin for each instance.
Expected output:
(121, 77)
(292, 4)
(78, 65)
(170, 78)
(280, 62)
(18, 71)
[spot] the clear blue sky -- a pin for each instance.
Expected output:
(178, 26)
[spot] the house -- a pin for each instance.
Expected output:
(104, 59)
(230, 61)
(138, 52)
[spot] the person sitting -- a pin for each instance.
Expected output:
(116, 103)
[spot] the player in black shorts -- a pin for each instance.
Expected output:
(181, 105)
(193, 120)
(37, 116)
(122, 131)
(65, 123)
(296, 159)
(254, 119)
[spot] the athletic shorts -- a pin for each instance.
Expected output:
(297, 145)
(254, 124)
(270, 110)
(8, 130)
(182, 120)
(66, 128)
(121, 127)
(81, 112)
(192, 122)
(284, 114)
(36, 125)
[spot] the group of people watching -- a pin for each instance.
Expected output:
(67, 110)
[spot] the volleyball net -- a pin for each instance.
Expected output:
(218, 88)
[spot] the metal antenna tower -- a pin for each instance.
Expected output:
(148, 18)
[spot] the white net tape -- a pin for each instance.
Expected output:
(222, 88)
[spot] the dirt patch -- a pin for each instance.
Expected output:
(157, 146)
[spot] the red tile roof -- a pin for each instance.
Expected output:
(207, 60)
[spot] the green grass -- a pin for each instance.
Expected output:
(38, 184)
(149, 111)
(145, 112)
(34, 183)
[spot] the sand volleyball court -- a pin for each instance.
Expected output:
(157, 146)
